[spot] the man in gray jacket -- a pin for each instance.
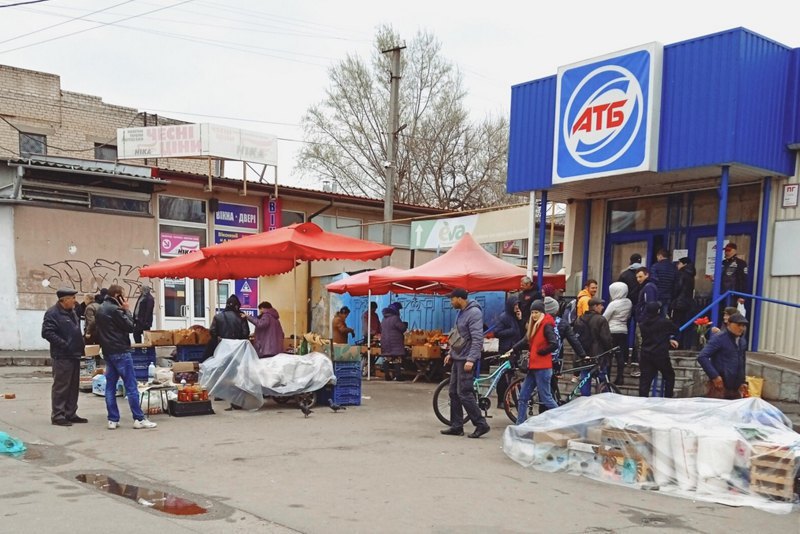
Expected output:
(465, 353)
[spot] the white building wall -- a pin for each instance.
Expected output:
(779, 324)
(9, 326)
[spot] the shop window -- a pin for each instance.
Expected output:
(289, 218)
(120, 204)
(105, 152)
(401, 234)
(340, 225)
(182, 209)
(634, 214)
(31, 144)
(743, 205)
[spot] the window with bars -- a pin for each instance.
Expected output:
(31, 144)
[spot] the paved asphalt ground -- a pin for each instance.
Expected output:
(380, 467)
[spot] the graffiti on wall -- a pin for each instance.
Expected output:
(89, 278)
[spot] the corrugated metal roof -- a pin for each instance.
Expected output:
(729, 98)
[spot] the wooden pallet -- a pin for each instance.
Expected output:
(772, 471)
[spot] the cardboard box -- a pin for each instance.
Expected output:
(343, 352)
(288, 343)
(374, 351)
(426, 352)
(203, 336)
(583, 458)
(560, 437)
(415, 337)
(91, 350)
(184, 337)
(157, 338)
(185, 367)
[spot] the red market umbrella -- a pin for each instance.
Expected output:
(197, 265)
(306, 242)
(360, 284)
(466, 265)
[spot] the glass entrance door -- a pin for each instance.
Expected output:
(619, 249)
(184, 303)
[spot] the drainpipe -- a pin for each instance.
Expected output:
(542, 234)
(755, 322)
(721, 220)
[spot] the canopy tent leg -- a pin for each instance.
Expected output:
(369, 331)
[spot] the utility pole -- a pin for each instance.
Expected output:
(390, 166)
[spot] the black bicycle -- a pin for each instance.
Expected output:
(592, 369)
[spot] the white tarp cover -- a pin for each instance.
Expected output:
(236, 374)
(738, 453)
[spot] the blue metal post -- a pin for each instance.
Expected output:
(722, 218)
(587, 228)
(755, 328)
(542, 236)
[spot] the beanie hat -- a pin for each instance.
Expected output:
(550, 305)
(537, 305)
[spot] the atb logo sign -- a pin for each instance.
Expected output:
(607, 115)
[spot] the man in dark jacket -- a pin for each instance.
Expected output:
(227, 324)
(734, 274)
(508, 332)
(664, 274)
(62, 330)
(629, 277)
(143, 313)
(528, 293)
(724, 361)
(683, 303)
(469, 325)
(114, 327)
(594, 326)
(658, 335)
(393, 348)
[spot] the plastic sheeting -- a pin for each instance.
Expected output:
(236, 374)
(739, 453)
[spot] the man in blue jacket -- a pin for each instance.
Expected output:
(507, 330)
(723, 359)
(62, 330)
(465, 353)
(664, 273)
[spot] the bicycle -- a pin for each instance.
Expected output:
(595, 370)
(441, 402)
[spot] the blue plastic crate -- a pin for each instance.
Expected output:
(324, 395)
(347, 370)
(348, 382)
(190, 353)
(347, 395)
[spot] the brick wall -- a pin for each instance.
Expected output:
(73, 122)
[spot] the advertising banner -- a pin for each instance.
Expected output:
(237, 216)
(607, 115)
(489, 227)
(247, 292)
(221, 236)
(272, 214)
(173, 244)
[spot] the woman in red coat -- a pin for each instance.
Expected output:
(543, 341)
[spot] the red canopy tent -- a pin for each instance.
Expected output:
(360, 284)
(197, 265)
(466, 265)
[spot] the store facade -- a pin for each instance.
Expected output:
(682, 147)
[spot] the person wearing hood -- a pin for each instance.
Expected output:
(268, 330)
(143, 313)
(618, 314)
(508, 332)
(466, 343)
(683, 303)
(658, 335)
(393, 348)
(90, 326)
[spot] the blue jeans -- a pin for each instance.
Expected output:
(121, 365)
(538, 379)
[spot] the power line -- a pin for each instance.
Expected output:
(64, 22)
(24, 3)
(61, 149)
(95, 27)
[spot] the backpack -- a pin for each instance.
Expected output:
(585, 336)
(560, 342)
(569, 312)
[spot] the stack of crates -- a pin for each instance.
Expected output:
(190, 353)
(347, 391)
(142, 358)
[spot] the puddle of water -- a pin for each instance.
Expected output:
(158, 500)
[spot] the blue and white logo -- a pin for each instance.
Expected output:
(607, 115)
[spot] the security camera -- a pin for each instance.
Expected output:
(387, 164)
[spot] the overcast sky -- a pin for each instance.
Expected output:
(266, 61)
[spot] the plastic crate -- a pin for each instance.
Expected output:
(183, 409)
(347, 370)
(190, 353)
(142, 358)
(347, 395)
(348, 382)
(324, 395)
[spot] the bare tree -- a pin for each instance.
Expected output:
(445, 160)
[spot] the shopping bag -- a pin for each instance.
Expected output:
(740, 308)
(754, 385)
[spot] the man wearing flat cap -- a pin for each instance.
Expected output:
(62, 330)
(466, 343)
(734, 273)
(724, 361)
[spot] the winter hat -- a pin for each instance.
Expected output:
(550, 306)
(548, 290)
(537, 305)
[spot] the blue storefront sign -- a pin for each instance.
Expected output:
(221, 236)
(237, 216)
(607, 115)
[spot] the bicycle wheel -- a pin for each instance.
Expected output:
(441, 403)
(607, 387)
(512, 400)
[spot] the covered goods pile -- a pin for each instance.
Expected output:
(739, 453)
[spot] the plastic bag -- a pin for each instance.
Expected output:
(754, 385)
(741, 309)
(9, 445)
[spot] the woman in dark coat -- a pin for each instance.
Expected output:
(393, 348)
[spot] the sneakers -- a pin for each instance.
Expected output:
(144, 423)
(635, 372)
(113, 425)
